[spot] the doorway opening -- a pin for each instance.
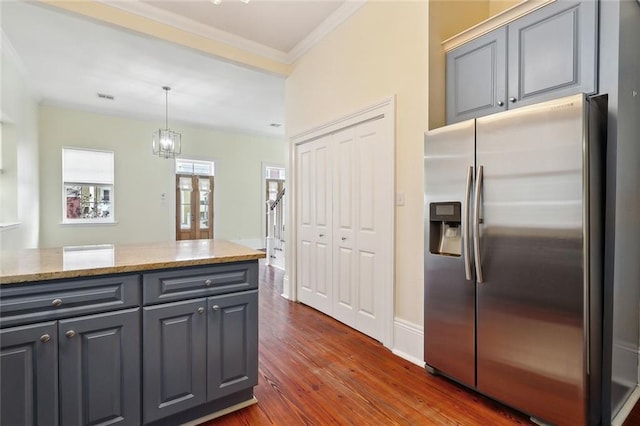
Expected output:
(274, 178)
(194, 199)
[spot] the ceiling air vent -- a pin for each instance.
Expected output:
(105, 96)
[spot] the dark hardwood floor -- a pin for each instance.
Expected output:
(314, 370)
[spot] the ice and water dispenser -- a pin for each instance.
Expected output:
(445, 232)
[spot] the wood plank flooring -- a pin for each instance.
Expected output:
(313, 370)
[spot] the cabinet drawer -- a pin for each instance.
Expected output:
(165, 286)
(21, 304)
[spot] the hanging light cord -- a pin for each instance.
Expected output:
(166, 103)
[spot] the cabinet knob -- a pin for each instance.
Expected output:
(512, 100)
(500, 103)
(215, 307)
(207, 282)
(344, 238)
(70, 334)
(45, 338)
(56, 302)
(201, 310)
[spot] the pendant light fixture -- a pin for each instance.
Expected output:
(166, 143)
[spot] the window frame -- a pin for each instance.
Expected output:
(98, 183)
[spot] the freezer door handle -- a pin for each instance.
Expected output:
(476, 226)
(466, 225)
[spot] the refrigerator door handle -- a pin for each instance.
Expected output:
(467, 225)
(476, 226)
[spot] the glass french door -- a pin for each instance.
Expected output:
(194, 207)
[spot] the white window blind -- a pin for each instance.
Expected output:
(87, 166)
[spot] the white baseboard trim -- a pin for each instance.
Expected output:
(286, 289)
(408, 341)
(624, 412)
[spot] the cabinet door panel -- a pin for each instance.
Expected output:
(174, 357)
(29, 372)
(476, 77)
(100, 369)
(232, 361)
(552, 52)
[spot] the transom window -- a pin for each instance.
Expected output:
(87, 181)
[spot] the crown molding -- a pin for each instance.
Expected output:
(340, 15)
(188, 25)
(168, 18)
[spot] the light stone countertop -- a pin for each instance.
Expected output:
(29, 265)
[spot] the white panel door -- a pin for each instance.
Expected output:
(362, 218)
(314, 262)
(344, 254)
(374, 204)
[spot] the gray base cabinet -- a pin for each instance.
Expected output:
(29, 375)
(99, 369)
(232, 342)
(174, 358)
(110, 351)
(546, 54)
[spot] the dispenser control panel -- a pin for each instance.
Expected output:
(445, 228)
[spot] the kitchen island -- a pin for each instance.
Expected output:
(162, 333)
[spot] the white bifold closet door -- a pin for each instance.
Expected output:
(354, 184)
(314, 224)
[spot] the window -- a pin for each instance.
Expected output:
(87, 181)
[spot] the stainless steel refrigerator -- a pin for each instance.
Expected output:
(513, 257)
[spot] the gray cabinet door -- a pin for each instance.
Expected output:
(100, 369)
(174, 358)
(232, 362)
(552, 52)
(29, 372)
(476, 77)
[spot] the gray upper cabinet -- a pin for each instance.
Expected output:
(552, 52)
(232, 364)
(100, 369)
(29, 375)
(174, 358)
(476, 77)
(546, 54)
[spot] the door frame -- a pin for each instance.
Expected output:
(263, 199)
(383, 110)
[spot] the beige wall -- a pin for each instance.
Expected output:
(379, 52)
(141, 178)
(497, 6)
(19, 191)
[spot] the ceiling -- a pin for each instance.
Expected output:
(68, 59)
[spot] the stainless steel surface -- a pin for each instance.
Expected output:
(530, 319)
(70, 334)
(466, 223)
(56, 302)
(449, 298)
(533, 329)
(45, 338)
(476, 225)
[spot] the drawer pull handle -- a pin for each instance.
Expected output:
(207, 283)
(56, 302)
(215, 307)
(201, 310)
(45, 338)
(70, 334)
